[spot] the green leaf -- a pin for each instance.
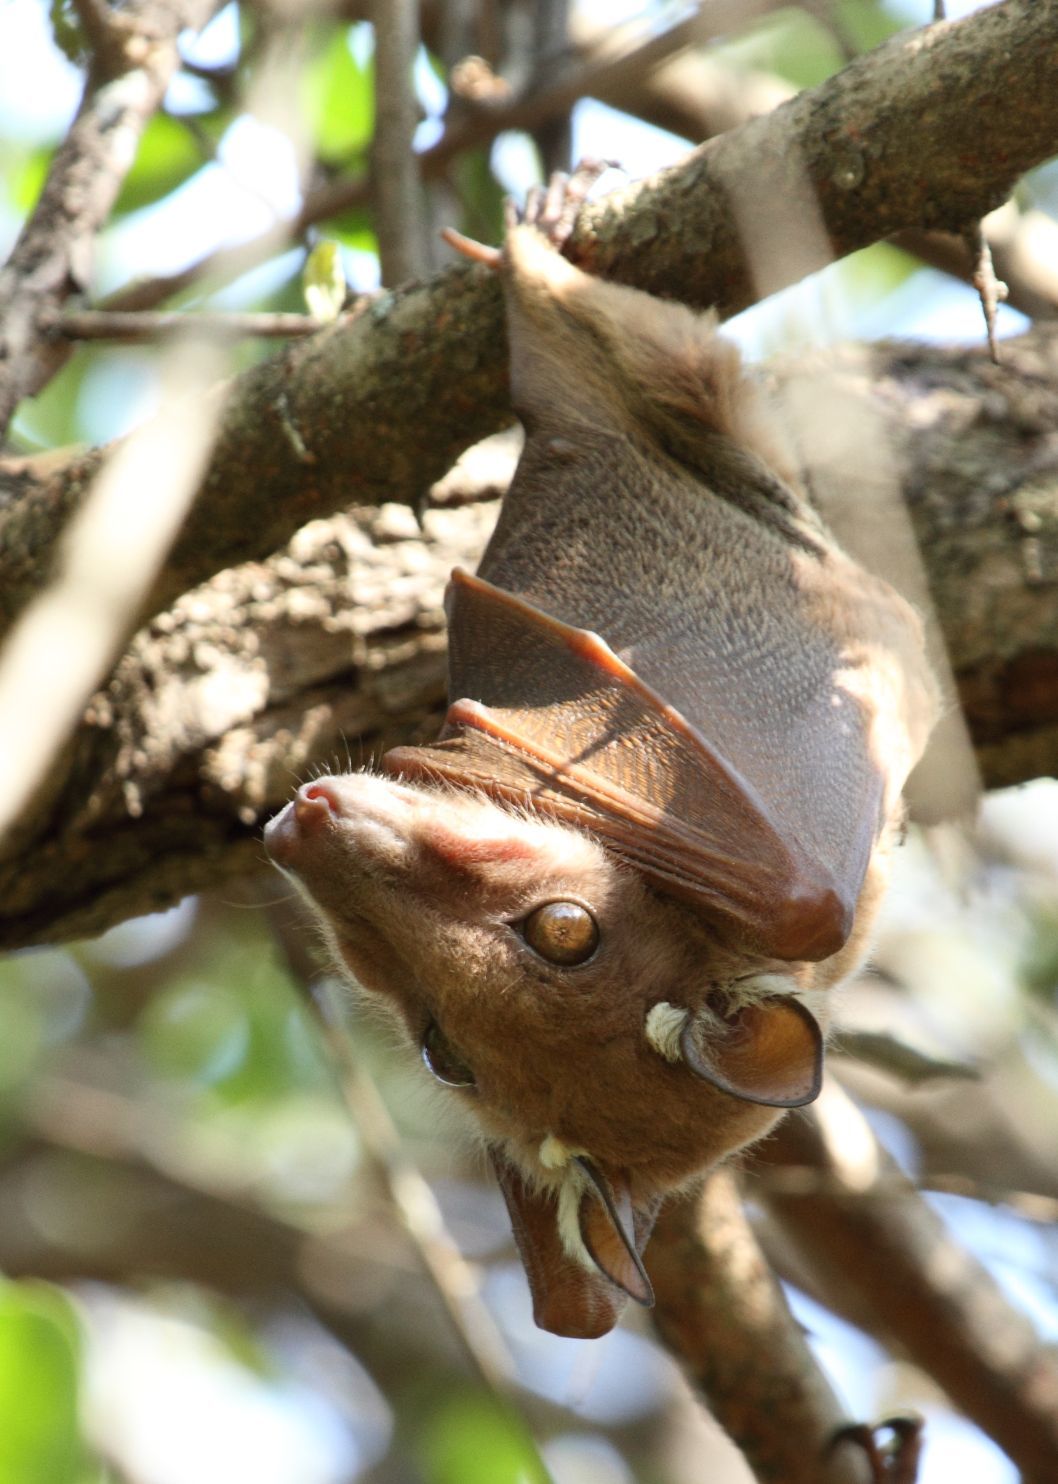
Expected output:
(168, 155)
(469, 1441)
(323, 279)
(39, 1366)
(339, 101)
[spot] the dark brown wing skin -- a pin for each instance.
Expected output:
(663, 642)
(558, 719)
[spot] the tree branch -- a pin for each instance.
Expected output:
(136, 329)
(52, 258)
(277, 668)
(721, 1312)
(326, 422)
(875, 1244)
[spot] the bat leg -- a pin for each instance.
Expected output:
(894, 1460)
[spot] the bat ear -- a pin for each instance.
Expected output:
(614, 1234)
(568, 1298)
(769, 1052)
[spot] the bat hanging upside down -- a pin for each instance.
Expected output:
(608, 903)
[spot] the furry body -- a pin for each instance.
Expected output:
(679, 712)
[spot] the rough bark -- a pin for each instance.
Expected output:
(918, 133)
(136, 54)
(335, 648)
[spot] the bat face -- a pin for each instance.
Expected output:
(550, 988)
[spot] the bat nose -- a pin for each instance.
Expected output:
(314, 804)
(311, 809)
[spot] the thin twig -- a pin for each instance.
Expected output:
(396, 182)
(136, 329)
(989, 289)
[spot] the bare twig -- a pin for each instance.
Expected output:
(52, 258)
(989, 290)
(888, 1054)
(1023, 249)
(139, 328)
(396, 184)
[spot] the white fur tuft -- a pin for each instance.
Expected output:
(664, 1026)
(553, 1154)
(570, 1193)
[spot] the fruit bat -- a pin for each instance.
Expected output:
(608, 903)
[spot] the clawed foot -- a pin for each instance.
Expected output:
(551, 209)
(895, 1459)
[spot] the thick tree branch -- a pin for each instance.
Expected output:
(52, 257)
(884, 144)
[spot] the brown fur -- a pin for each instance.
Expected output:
(653, 506)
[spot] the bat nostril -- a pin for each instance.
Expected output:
(315, 804)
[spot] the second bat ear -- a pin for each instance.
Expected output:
(769, 1052)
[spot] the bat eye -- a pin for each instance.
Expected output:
(445, 1064)
(562, 932)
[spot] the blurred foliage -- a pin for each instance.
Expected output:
(338, 98)
(466, 1440)
(169, 154)
(40, 1347)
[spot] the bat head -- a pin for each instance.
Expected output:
(608, 1046)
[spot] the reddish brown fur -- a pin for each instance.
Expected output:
(654, 506)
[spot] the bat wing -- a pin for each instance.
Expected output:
(548, 714)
